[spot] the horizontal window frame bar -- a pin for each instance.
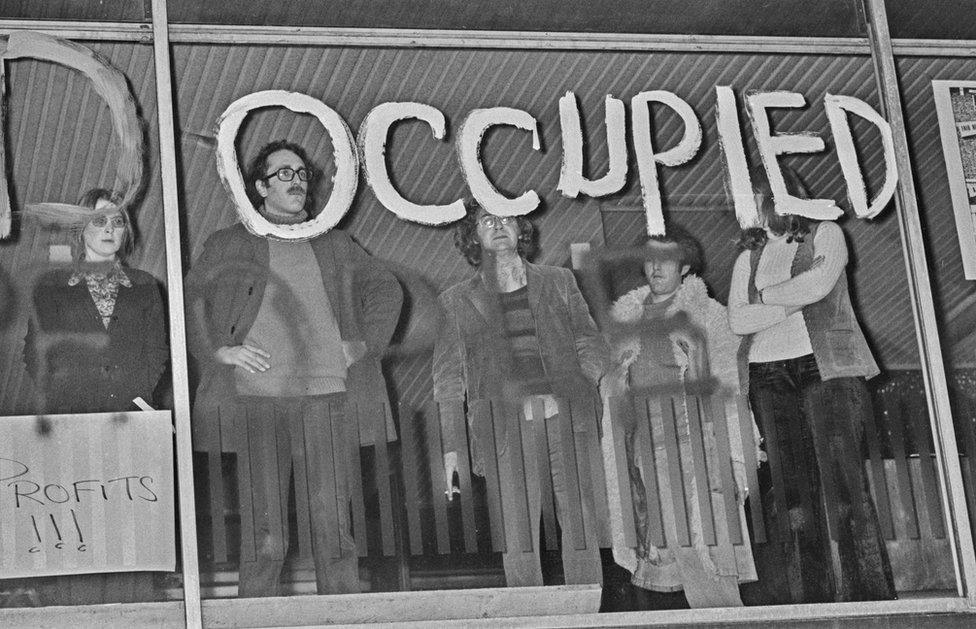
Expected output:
(433, 38)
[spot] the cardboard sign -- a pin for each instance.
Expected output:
(86, 493)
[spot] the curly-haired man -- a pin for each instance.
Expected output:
(520, 335)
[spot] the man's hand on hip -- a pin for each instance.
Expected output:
(353, 351)
(248, 357)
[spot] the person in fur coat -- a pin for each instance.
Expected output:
(673, 341)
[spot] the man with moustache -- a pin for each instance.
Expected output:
(288, 334)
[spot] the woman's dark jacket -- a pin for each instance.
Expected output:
(80, 366)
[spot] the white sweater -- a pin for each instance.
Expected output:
(777, 325)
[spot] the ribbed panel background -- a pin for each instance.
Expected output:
(60, 144)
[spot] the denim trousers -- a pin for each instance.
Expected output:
(824, 541)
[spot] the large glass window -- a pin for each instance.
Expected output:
(407, 535)
(718, 417)
(89, 492)
(943, 114)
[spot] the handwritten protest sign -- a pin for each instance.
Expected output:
(86, 493)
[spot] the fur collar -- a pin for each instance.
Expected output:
(692, 298)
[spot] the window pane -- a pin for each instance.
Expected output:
(910, 20)
(402, 523)
(945, 187)
(835, 18)
(75, 10)
(89, 501)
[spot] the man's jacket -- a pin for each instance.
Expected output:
(469, 356)
(225, 288)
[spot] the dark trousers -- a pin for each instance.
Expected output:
(824, 540)
(523, 567)
(305, 439)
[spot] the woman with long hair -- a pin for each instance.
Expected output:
(808, 362)
(96, 341)
(96, 337)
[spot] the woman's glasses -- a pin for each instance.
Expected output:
(101, 221)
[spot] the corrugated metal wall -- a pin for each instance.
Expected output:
(61, 144)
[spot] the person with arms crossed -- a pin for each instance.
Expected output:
(808, 362)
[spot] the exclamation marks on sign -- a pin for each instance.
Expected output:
(81, 538)
(35, 549)
(57, 532)
(82, 547)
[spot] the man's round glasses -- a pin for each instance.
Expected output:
(287, 174)
(490, 221)
(102, 221)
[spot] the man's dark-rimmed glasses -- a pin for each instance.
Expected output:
(287, 174)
